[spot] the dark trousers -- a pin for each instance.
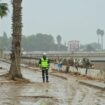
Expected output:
(45, 75)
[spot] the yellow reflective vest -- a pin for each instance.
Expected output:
(44, 63)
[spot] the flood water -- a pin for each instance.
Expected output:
(57, 92)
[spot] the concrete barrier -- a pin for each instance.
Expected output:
(94, 73)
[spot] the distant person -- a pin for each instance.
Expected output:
(59, 64)
(67, 65)
(76, 63)
(44, 64)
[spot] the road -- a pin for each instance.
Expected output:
(58, 91)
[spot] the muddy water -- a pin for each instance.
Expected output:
(57, 92)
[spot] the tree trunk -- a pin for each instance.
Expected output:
(58, 47)
(98, 42)
(15, 71)
(101, 42)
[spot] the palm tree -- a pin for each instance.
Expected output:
(15, 71)
(3, 9)
(98, 34)
(59, 39)
(102, 34)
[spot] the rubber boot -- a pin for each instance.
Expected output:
(43, 79)
(47, 79)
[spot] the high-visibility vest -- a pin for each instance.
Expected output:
(44, 63)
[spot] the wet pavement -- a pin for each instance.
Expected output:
(58, 91)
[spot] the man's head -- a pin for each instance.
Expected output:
(44, 55)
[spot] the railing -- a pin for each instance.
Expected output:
(54, 54)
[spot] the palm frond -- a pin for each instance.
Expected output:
(3, 9)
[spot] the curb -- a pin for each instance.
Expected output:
(63, 77)
(93, 84)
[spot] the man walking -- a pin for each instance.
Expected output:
(44, 64)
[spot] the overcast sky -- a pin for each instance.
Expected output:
(72, 19)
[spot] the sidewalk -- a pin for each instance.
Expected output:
(80, 79)
(92, 83)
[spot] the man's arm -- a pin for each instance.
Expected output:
(48, 63)
(40, 62)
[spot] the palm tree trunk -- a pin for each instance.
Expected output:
(101, 42)
(15, 71)
(98, 42)
(58, 47)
